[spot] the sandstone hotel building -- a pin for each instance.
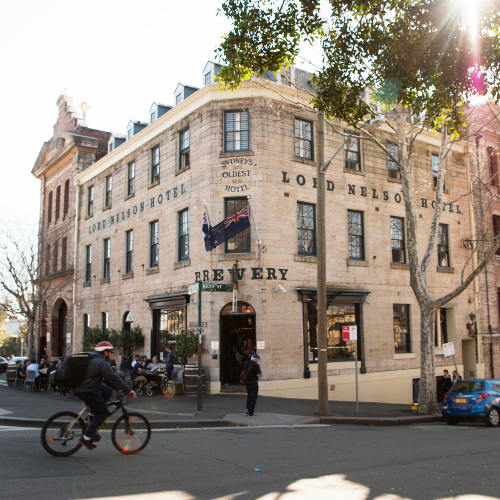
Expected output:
(140, 243)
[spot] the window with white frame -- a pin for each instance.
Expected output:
(155, 165)
(129, 133)
(392, 166)
(303, 139)
(153, 116)
(109, 187)
(183, 234)
(351, 148)
(398, 240)
(178, 98)
(107, 258)
(131, 179)
(356, 235)
(306, 228)
(208, 78)
(88, 263)
(236, 131)
(90, 200)
(184, 149)
(129, 252)
(401, 324)
(154, 250)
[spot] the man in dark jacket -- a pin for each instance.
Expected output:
(169, 361)
(254, 373)
(95, 394)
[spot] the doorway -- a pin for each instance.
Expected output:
(469, 358)
(61, 328)
(237, 330)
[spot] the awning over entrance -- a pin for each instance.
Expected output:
(180, 299)
(352, 296)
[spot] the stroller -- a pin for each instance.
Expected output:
(156, 382)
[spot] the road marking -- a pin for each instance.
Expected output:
(4, 412)
(5, 428)
(162, 412)
(441, 427)
(238, 427)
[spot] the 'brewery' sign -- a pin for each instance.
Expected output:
(258, 273)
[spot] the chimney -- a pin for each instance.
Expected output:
(84, 107)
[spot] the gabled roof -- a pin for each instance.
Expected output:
(185, 86)
(211, 62)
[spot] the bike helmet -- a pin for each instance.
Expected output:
(104, 346)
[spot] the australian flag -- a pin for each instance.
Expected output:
(226, 229)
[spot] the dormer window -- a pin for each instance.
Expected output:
(110, 147)
(208, 78)
(153, 116)
(178, 99)
(129, 134)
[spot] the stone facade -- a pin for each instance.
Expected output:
(484, 147)
(360, 291)
(72, 149)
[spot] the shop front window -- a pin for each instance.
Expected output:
(337, 317)
(171, 323)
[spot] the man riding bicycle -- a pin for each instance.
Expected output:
(95, 394)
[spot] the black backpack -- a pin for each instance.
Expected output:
(73, 370)
(245, 373)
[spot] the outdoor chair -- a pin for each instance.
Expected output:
(18, 382)
(179, 380)
(30, 379)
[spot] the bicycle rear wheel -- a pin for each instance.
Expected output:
(57, 439)
(132, 438)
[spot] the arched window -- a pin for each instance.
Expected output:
(242, 308)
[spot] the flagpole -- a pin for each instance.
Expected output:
(253, 220)
(206, 210)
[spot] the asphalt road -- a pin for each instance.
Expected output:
(314, 462)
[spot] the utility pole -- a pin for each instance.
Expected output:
(321, 274)
(199, 381)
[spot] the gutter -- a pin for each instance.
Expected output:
(75, 262)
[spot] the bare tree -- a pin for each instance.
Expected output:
(27, 277)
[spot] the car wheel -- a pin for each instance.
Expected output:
(451, 421)
(493, 418)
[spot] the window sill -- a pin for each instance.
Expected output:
(445, 191)
(393, 179)
(105, 280)
(129, 196)
(106, 208)
(306, 258)
(231, 154)
(355, 172)
(87, 283)
(449, 270)
(438, 351)
(89, 216)
(238, 256)
(404, 355)
(153, 270)
(182, 170)
(304, 160)
(154, 184)
(399, 265)
(335, 365)
(127, 276)
(182, 263)
(359, 263)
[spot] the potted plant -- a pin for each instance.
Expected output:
(185, 346)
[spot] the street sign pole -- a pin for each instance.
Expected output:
(199, 380)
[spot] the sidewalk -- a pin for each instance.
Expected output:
(26, 408)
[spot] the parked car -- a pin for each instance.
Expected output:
(472, 400)
(11, 369)
(3, 365)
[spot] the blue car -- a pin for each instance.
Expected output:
(473, 399)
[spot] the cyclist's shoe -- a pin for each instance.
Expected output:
(96, 438)
(88, 443)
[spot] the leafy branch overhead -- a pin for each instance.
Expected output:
(415, 53)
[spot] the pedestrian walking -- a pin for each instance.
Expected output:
(252, 368)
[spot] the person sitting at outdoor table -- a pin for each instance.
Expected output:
(154, 365)
(59, 364)
(33, 367)
(21, 372)
(44, 363)
(139, 365)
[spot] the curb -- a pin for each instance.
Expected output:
(382, 422)
(155, 424)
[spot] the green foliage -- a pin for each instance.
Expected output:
(419, 54)
(127, 341)
(92, 337)
(10, 346)
(186, 345)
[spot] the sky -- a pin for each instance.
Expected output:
(118, 56)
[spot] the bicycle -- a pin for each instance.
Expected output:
(61, 433)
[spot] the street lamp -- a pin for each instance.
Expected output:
(472, 326)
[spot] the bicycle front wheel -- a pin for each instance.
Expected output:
(132, 437)
(62, 432)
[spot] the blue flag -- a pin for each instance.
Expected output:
(205, 227)
(233, 225)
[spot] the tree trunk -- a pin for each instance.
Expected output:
(427, 398)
